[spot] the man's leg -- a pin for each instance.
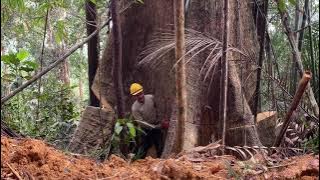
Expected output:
(157, 140)
(146, 142)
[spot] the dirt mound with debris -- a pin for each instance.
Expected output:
(34, 159)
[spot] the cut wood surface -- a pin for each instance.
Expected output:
(266, 126)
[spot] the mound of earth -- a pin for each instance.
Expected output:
(34, 159)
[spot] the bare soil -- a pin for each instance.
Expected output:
(34, 159)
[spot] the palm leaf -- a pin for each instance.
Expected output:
(196, 42)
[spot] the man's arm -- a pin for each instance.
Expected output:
(139, 119)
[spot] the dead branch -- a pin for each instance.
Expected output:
(282, 165)
(301, 88)
(53, 65)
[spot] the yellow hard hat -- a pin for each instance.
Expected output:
(135, 89)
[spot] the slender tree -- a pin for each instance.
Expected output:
(41, 62)
(303, 24)
(311, 45)
(294, 74)
(224, 74)
(93, 48)
(180, 71)
(117, 57)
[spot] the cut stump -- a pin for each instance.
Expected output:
(94, 130)
(266, 126)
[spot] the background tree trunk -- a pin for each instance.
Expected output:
(261, 28)
(117, 57)
(303, 24)
(93, 48)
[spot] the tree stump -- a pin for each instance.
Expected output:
(266, 124)
(93, 131)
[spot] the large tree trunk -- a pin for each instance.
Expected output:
(139, 23)
(93, 48)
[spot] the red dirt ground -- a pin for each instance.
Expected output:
(34, 159)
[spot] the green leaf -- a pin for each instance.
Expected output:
(132, 129)
(10, 59)
(118, 128)
(31, 64)
(22, 54)
(94, 1)
(21, 5)
(26, 69)
(293, 2)
(282, 5)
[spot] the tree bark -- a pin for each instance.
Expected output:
(95, 130)
(117, 57)
(263, 13)
(93, 49)
(180, 72)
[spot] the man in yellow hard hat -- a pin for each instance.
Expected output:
(144, 113)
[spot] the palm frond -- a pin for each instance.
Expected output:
(196, 43)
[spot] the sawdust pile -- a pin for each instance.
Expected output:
(34, 159)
